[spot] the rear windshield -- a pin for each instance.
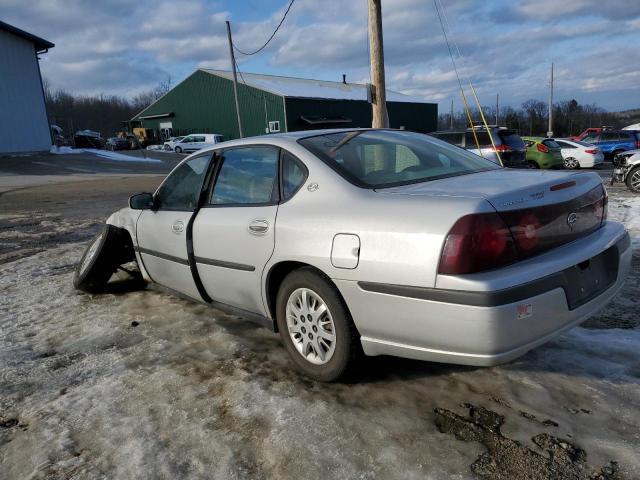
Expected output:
(512, 139)
(386, 158)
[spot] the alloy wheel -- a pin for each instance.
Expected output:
(635, 180)
(571, 163)
(311, 326)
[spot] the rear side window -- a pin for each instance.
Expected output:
(293, 175)
(454, 138)
(551, 143)
(247, 176)
(511, 139)
(609, 136)
(483, 140)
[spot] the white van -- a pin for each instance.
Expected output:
(197, 141)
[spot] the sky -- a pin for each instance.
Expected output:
(124, 47)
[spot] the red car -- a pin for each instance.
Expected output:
(589, 131)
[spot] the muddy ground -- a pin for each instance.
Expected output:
(146, 385)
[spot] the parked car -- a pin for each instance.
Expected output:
(613, 142)
(376, 242)
(117, 143)
(589, 131)
(197, 141)
(543, 153)
(171, 143)
(507, 143)
(578, 154)
(626, 168)
(88, 139)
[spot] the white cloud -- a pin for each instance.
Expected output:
(118, 46)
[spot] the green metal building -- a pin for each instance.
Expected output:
(204, 103)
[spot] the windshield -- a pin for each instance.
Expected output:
(385, 158)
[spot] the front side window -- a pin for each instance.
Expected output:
(383, 158)
(186, 140)
(181, 189)
(551, 143)
(247, 176)
(293, 175)
(564, 144)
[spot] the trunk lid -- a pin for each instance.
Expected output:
(506, 189)
(541, 209)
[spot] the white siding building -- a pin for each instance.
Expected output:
(24, 126)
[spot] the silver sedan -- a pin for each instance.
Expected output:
(373, 242)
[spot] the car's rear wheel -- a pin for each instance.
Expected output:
(633, 180)
(571, 163)
(532, 164)
(106, 252)
(178, 149)
(316, 327)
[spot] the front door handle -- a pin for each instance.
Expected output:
(258, 227)
(177, 227)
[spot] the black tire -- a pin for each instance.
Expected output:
(109, 249)
(533, 165)
(178, 150)
(348, 354)
(634, 171)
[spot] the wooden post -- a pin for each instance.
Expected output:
(235, 78)
(550, 129)
(379, 97)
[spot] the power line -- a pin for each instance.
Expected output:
(272, 35)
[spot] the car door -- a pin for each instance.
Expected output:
(162, 232)
(198, 143)
(233, 235)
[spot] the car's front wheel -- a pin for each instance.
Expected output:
(316, 327)
(633, 180)
(106, 252)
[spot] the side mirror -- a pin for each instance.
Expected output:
(141, 201)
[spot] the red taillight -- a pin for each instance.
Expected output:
(477, 242)
(638, 144)
(542, 148)
(592, 151)
(502, 148)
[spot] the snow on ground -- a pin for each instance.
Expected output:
(120, 157)
(146, 385)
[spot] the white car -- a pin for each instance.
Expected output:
(376, 242)
(578, 154)
(171, 143)
(197, 141)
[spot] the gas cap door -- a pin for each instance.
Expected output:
(345, 251)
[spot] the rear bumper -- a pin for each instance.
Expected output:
(481, 327)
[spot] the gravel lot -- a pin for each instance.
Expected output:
(146, 385)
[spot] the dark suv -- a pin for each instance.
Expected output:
(613, 142)
(508, 143)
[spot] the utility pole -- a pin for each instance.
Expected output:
(497, 107)
(235, 78)
(550, 129)
(379, 92)
(451, 116)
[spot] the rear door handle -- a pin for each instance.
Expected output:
(258, 227)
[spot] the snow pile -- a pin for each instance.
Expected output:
(120, 157)
(192, 393)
